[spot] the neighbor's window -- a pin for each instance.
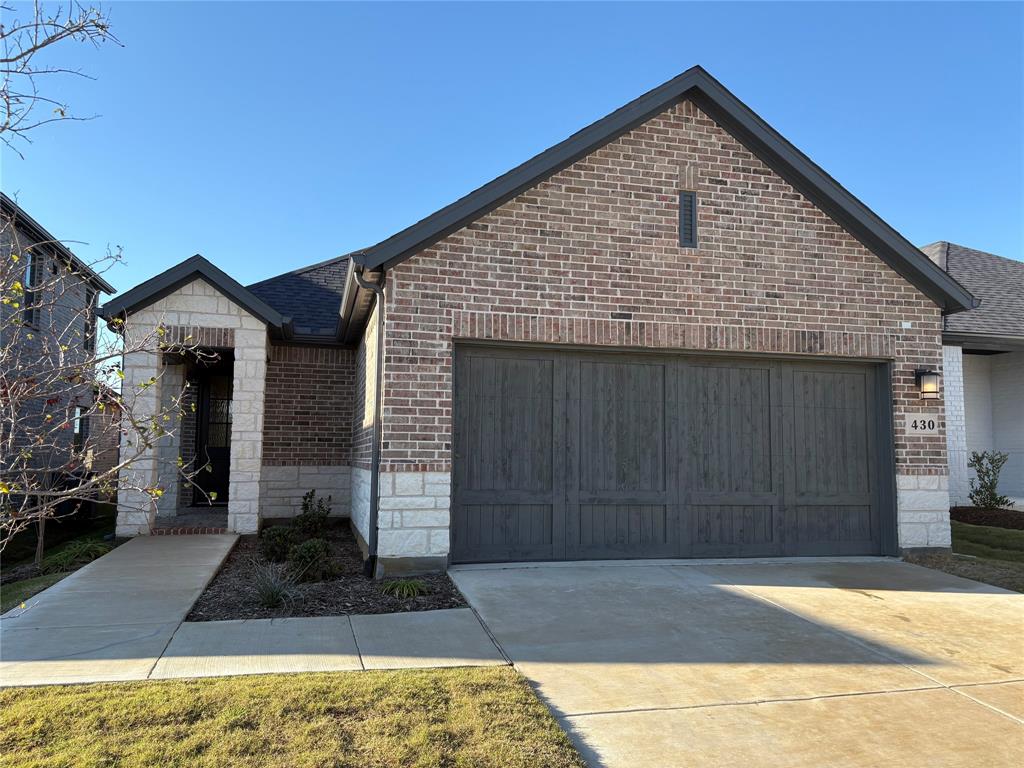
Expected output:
(89, 339)
(688, 219)
(81, 427)
(30, 312)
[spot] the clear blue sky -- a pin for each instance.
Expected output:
(270, 136)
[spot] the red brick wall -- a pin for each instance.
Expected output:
(308, 406)
(591, 256)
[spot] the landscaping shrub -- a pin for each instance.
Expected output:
(273, 584)
(74, 554)
(405, 588)
(984, 491)
(311, 560)
(275, 542)
(313, 520)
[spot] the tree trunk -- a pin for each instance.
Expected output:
(40, 540)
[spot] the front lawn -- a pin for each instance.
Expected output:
(988, 542)
(983, 553)
(452, 717)
(15, 593)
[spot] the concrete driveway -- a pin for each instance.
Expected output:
(859, 662)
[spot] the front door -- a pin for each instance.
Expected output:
(213, 439)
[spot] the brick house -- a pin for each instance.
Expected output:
(670, 335)
(983, 361)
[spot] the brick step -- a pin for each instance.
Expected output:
(188, 530)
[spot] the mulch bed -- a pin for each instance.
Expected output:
(231, 596)
(999, 518)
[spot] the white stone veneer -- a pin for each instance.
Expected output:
(359, 509)
(281, 489)
(413, 515)
(198, 304)
(922, 504)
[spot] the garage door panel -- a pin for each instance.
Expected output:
(506, 529)
(510, 424)
(728, 529)
(621, 429)
(829, 529)
(623, 529)
(729, 429)
(830, 433)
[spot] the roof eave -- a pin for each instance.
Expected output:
(194, 268)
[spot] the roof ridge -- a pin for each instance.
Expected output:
(303, 270)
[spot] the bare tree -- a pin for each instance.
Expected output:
(25, 43)
(64, 398)
(61, 380)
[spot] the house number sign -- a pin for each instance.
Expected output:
(922, 423)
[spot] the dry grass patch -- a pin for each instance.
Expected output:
(451, 717)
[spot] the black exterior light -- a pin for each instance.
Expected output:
(927, 382)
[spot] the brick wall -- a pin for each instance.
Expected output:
(591, 256)
(308, 406)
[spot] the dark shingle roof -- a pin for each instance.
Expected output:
(310, 296)
(997, 282)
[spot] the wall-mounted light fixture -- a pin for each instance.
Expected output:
(927, 382)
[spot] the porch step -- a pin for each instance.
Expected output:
(188, 530)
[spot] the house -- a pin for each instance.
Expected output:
(670, 335)
(51, 320)
(983, 353)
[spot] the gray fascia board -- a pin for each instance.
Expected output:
(169, 281)
(735, 117)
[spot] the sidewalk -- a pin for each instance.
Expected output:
(120, 618)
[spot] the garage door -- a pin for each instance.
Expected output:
(574, 456)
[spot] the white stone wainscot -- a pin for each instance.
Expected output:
(922, 503)
(414, 514)
(282, 488)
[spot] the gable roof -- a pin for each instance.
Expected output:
(41, 235)
(195, 267)
(311, 296)
(740, 121)
(996, 281)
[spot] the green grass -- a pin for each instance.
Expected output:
(483, 717)
(13, 594)
(988, 542)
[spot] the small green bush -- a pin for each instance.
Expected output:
(405, 589)
(312, 522)
(75, 554)
(311, 560)
(275, 542)
(274, 585)
(984, 491)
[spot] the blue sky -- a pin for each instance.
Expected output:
(270, 136)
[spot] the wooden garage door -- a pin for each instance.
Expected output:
(567, 455)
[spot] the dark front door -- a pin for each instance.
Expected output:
(588, 455)
(213, 439)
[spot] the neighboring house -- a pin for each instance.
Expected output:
(670, 335)
(984, 367)
(56, 315)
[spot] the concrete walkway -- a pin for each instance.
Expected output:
(112, 619)
(120, 618)
(796, 665)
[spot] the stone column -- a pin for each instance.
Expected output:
(135, 509)
(249, 385)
